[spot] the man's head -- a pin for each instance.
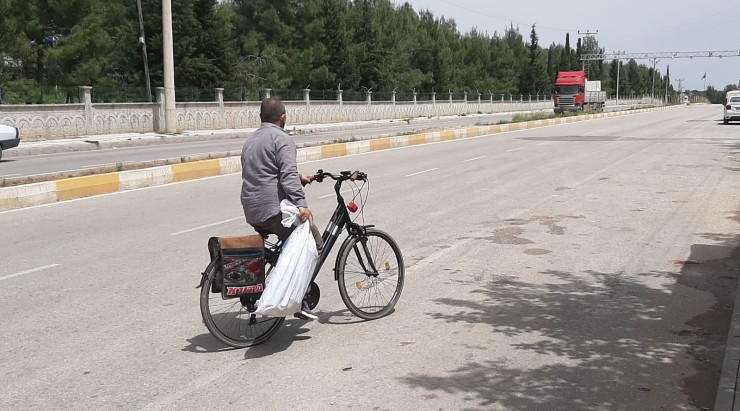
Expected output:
(272, 111)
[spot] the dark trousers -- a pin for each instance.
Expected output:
(274, 225)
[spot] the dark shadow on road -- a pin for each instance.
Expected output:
(601, 337)
(343, 316)
(205, 343)
(714, 269)
(289, 333)
(339, 317)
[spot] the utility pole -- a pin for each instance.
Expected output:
(588, 46)
(655, 61)
(619, 65)
(142, 40)
(170, 124)
(667, 82)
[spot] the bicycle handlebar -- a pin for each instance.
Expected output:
(342, 176)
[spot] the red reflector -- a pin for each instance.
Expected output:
(352, 207)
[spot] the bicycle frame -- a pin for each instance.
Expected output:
(339, 221)
(362, 287)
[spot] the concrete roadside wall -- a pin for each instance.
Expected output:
(27, 195)
(49, 122)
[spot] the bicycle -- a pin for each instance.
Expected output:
(369, 271)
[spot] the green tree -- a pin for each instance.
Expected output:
(367, 49)
(335, 39)
(565, 56)
(532, 79)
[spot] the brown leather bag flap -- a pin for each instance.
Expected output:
(247, 241)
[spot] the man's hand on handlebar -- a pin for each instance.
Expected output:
(342, 176)
(307, 179)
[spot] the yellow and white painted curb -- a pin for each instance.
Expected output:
(27, 195)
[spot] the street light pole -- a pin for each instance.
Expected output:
(619, 64)
(170, 124)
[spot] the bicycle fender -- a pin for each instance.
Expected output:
(206, 273)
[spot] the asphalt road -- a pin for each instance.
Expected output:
(58, 162)
(588, 266)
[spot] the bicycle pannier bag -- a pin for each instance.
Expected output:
(242, 265)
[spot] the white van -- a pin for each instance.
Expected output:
(9, 137)
(732, 106)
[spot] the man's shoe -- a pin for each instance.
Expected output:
(306, 314)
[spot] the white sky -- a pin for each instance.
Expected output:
(628, 25)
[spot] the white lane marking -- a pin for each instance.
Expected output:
(208, 225)
(9, 175)
(422, 172)
(473, 159)
(33, 270)
(97, 165)
(513, 149)
(333, 194)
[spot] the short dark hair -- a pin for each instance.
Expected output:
(271, 109)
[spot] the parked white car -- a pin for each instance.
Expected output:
(9, 137)
(732, 106)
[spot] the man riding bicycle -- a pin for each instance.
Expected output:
(270, 175)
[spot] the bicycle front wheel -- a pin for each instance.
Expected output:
(370, 274)
(233, 321)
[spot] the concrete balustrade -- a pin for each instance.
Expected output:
(49, 122)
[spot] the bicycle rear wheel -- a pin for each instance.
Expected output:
(233, 321)
(370, 274)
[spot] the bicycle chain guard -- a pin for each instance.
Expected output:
(312, 295)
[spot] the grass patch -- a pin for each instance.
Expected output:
(345, 140)
(522, 118)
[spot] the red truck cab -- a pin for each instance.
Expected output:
(573, 91)
(570, 88)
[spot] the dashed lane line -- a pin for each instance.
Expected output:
(422, 172)
(474, 159)
(33, 270)
(190, 230)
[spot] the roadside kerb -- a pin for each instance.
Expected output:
(27, 195)
(727, 393)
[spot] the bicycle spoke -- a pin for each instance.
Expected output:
(371, 277)
(229, 320)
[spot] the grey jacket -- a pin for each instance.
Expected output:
(269, 174)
